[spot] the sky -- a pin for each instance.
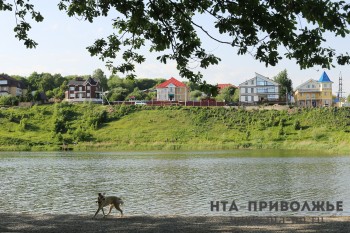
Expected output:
(62, 49)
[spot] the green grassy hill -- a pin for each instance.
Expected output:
(95, 127)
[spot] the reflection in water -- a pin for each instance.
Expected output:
(168, 184)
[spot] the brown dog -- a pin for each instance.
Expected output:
(112, 201)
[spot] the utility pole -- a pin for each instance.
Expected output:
(340, 87)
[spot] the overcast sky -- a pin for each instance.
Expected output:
(63, 41)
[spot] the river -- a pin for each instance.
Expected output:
(172, 183)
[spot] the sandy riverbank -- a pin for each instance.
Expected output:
(83, 223)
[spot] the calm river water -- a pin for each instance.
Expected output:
(165, 183)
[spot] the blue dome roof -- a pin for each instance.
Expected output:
(324, 78)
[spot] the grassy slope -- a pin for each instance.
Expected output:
(146, 128)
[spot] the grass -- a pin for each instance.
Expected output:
(103, 128)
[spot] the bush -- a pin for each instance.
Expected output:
(281, 131)
(81, 135)
(247, 135)
(282, 122)
(297, 125)
(9, 100)
(23, 124)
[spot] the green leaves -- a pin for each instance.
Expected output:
(171, 28)
(286, 84)
(21, 9)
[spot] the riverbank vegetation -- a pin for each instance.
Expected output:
(105, 128)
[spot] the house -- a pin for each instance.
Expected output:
(11, 86)
(80, 90)
(258, 89)
(313, 93)
(223, 86)
(172, 90)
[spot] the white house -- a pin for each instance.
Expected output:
(172, 90)
(258, 89)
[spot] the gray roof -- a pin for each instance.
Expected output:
(12, 81)
(83, 82)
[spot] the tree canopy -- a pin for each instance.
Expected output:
(171, 28)
(286, 84)
(226, 94)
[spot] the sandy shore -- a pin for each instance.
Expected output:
(83, 223)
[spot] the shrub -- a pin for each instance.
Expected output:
(23, 124)
(8, 100)
(281, 131)
(247, 135)
(282, 122)
(297, 125)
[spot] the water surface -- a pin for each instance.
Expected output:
(157, 183)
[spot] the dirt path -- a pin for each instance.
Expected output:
(83, 223)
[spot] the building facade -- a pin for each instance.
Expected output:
(313, 93)
(172, 90)
(80, 90)
(258, 90)
(11, 86)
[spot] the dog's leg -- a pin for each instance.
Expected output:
(117, 206)
(110, 209)
(103, 212)
(98, 210)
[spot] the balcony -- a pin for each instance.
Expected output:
(308, 90)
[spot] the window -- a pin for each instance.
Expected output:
(272, 97)
(71, 95)
(252, 90)
(88, 88)
(3, 82)
(261, 82)
(313, 96)
(308, 86)
(246, 98)
(265, 90)
(88, 95)
(80, 88)
(252, 82)
(71, 88)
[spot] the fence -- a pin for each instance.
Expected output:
(201, 103)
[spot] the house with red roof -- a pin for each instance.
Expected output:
(225, 85)
(172, 90)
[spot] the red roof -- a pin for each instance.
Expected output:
(173, 81)
(222, 86)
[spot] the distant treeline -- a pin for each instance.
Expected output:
(47, 86)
